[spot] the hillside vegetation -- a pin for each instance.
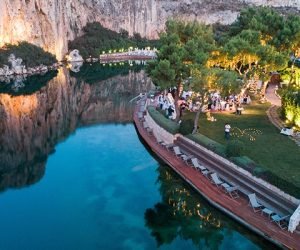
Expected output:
(97, 39)
(32, 55)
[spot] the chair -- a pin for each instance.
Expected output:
(140, 116)
(168, 146)
(231, 190)
(253, 203)
(197, 165)
(280, 220)
(160, 142)
(216, 180)
(145, 125)
(187, 158)
(177, 151)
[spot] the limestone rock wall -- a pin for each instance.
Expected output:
(52, 23)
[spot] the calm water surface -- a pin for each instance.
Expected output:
(97, 186)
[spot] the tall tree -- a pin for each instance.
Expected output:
(184, 46)
(208, 80)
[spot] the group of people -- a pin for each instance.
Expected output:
(166, 103)
(232, 102)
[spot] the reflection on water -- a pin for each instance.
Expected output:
(23, 84)
(93, 73)
(32, 124)
(182, 214)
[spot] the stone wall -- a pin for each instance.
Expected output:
(158, 131)
(50, 24)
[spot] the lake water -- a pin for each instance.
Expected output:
(75, 175)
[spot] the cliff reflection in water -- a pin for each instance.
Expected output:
(31, 125)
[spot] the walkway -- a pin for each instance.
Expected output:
(273, 111)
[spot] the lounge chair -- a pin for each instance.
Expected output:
(187, 158)
(140, 115)
(160, 142)
(216, 180)
(177, 151)
(231, 190)
(253, 203)
(281, 221)
(149, 130)
(206, 173)
(197, 165)
(168, 146)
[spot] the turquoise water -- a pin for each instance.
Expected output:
(102, 189)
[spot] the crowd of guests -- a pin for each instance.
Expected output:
(190, 101)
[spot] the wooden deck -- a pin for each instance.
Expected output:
(235, 208)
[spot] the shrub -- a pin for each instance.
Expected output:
(245, 163)
(208, 143)
(234, 148)
(186, 127)
(162, 121)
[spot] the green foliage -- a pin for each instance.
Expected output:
(162, 121)
(186, 127)
(291, 106)
(277, 181)
(234, 148)
(96, 39)
(32, 55)
(208, 143)
(275, 29)
(244, 162)
(184, 46)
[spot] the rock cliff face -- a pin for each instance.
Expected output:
(31, 125)
(51, 23)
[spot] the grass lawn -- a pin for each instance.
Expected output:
(270, 150)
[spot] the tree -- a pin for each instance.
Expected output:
(208, 80)
(184, 46)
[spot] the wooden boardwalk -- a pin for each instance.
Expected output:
(235, 208)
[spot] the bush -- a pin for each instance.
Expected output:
(245, 163)
(234, 148)
(208, 143)
(162, 121)
(32, 55)
(186, 127)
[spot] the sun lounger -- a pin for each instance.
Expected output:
(145, 125)
(187, 158)
(140, 115)
(160, 142)
(197, 165)
(206, 173)
(231, 190)
(216, 180)
(177, 151)
(281, 221)
(169, 146)
(253, 203)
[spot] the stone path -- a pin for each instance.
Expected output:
(273, 112)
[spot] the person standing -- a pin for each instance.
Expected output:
(227, 131)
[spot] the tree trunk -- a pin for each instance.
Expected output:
(177, 95)
(195, 130)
